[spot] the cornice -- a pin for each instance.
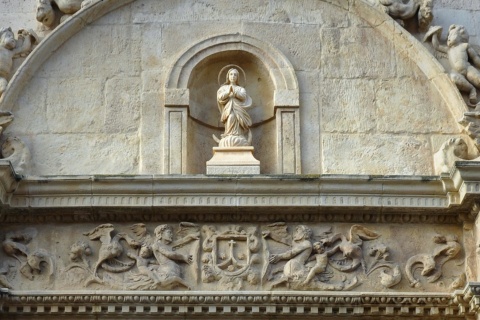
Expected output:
(348, 198)
(308, 303)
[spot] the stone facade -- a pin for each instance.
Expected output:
(344, 180)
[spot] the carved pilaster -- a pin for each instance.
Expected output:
(175, 131)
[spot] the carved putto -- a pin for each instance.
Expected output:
(48, 11)
(166, 273)
(11, 48)
(233, 103)
(404, 10)
(463, 58)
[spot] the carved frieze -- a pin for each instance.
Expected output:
(192, 256)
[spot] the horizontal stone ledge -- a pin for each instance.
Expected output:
(221, 302)
(314, 191)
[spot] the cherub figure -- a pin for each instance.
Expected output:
(10, 49)
(406, 9)
(463, 58)
(167, 258)
(146, 265)
(321, 261)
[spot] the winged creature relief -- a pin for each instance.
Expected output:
(350, 248)
(309, 263)
(110, 250)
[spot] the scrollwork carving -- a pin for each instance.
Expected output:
(36, 262)
(431, 264)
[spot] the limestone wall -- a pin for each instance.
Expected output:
(96, 106)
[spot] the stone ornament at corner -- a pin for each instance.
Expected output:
(51, 12)
(11, 48)
(404, 10)
(452, 150)
(463, 58)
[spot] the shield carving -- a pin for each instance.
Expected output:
(231, 253)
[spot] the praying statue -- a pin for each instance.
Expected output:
(232, 102)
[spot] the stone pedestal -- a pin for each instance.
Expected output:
(233, 160)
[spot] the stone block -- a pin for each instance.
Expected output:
(347, 105)
(290, 40)
(177, 37)
(30, 110)
(120, 16)
(75, 105)
(233, 160)
(153, 80)
(286, 98)
(308, 81)
(177, 97)
(310, 133)
(122, 105)
(422, 111)
(338, 46)
(446, 16)
(376, 154)
(151, 133)
(326, 14)
(466, 5)
(151, 46)
(68, 154)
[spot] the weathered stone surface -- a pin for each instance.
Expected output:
(288, 38)
(373, 154)
(151, 137)
(347, 106)
(310, 115)
(338, 45)
(398, 112)
(122, 105)
(82, 153)
(75, 105)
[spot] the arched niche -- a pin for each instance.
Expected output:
(192, 115)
